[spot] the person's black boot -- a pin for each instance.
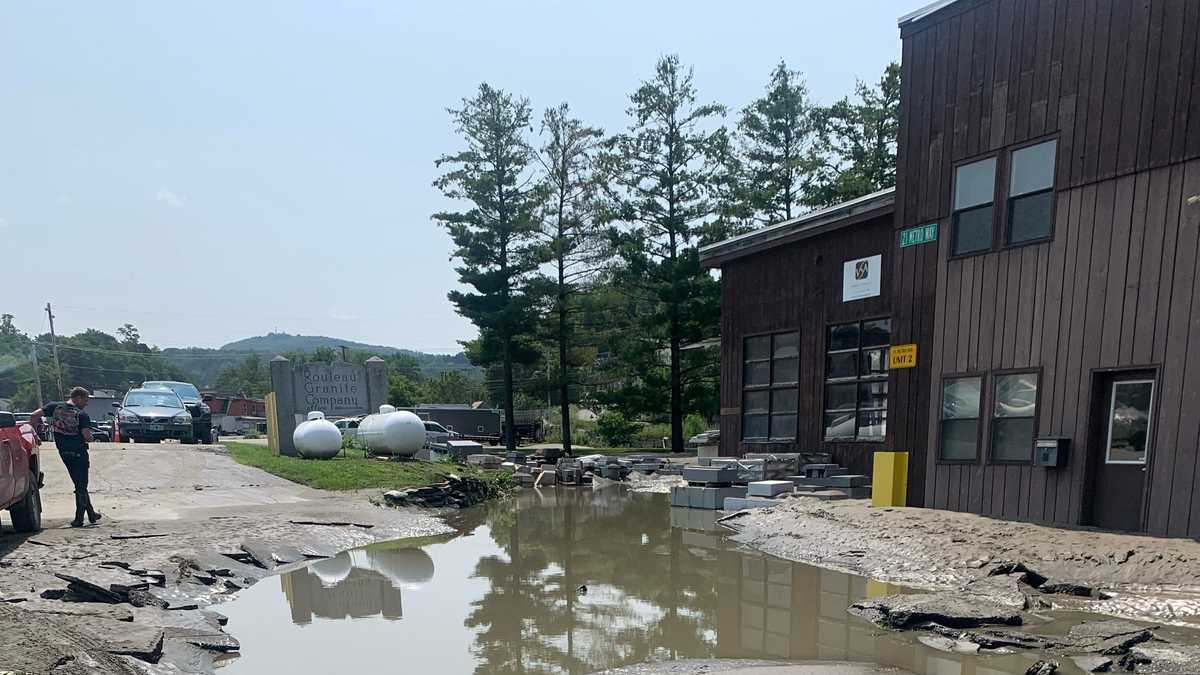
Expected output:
(93, 515)
(80, 507)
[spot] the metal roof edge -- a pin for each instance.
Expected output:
(814, 219)
(923, 12)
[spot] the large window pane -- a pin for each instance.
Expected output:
(838, 366)
(787, 345)
(975, 184)
(960, 398)
(1129, 421)
(959, 439)
(754, 426)
(1032, 169)
(1016, 395)
(758, 401)
(840, 424)
(841, 396)
(872, 423)
(784, 400)
(757, 373)
(844, 336)
(1029, 217)
(973, 230)
(876, 333)
(783, 427)
(1012, 439)
(787, 370)
(872, 395)
(758, 348)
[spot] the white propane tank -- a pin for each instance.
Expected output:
(317, 438)
(392, 432)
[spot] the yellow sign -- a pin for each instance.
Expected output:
(903, 356)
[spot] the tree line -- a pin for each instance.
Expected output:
(579, 249)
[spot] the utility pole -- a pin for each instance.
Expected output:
(54, 347)
(37, 375)
(344, 359)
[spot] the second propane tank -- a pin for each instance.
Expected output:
(391, 432)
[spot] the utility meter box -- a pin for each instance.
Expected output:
(1050, 451)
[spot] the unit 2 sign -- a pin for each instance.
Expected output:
(902, 356)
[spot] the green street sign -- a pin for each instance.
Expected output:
(921, 234)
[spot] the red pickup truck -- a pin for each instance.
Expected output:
(20, 473)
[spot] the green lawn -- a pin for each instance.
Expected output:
(353, 472)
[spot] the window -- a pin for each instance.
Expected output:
(1031, 193)
(770, 381)
(1014, 412)
(974, 193)
(856, 387)
(1129, 422)
(960, 418)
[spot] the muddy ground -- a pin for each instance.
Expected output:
(169, 512)
(1121, 575)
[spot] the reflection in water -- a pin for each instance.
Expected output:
(356, 584)
(661, 583)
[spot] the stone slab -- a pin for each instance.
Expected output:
(100, 609)
(710, 474)
(485, 461)
(711, 498)
(743, 503)
(769, 488)
(679, 495)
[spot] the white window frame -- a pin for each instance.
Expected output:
(1112, 402)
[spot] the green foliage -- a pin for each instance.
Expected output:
(616, 429)
(452, 387)
(251, 377)
(694, 424)
(355, 472)
(860, 141)
(661, 176)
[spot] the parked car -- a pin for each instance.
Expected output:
(197, 405)
(101, 431)
(43, 430)
(150, 415)
(437, 435)
(20, 473)
(348, 425)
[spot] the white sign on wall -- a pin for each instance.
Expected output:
(861, 278)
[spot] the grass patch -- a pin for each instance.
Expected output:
(355, 472)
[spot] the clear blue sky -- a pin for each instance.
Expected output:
(214, 170)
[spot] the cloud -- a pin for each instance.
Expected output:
(169, 198)
(3, 224)
(344, 317)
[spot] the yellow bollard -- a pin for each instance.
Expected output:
(889, 485)
(272, 425)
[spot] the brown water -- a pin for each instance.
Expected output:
(501, 596)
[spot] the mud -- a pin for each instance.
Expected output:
(1120, 575)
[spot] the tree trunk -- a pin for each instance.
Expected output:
(676, 386)
(510, 428)
(564, 401)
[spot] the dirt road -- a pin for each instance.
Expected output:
(170, 511)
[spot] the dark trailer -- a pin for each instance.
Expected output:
(806, 331)
(1054, 145)
(476, 424)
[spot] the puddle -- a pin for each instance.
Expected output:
(502, 596)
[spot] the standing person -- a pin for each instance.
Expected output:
(72, 428)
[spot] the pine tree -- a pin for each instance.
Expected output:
(661, 177)
(496, 234)
(568, 158)
(860, 139)
(778, 148)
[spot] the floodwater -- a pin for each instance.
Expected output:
(504, 596)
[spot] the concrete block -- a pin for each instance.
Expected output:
(857, 492)
(546, 478)
(508, 466)
(742, 503)
(711, 497)
(829, 495)
(679, 495)
(769, 488)
(850, 480)
(710, 474)
(485, 461)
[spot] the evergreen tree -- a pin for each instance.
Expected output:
(859, 139)
(778, 148)
(661, 177)
(567, 158)
(495, 235)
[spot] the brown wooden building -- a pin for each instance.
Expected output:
(1055, 144)
(806, 325)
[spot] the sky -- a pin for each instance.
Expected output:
(214, 170)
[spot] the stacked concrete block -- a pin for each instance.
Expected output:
(485, 461)
(711, 498)
(769, 488)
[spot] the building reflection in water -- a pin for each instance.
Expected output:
(357, 584)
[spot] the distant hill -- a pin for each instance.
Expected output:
(203, 365)
(277, 343)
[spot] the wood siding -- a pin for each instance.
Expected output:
(798, 287)
(1117, 82)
